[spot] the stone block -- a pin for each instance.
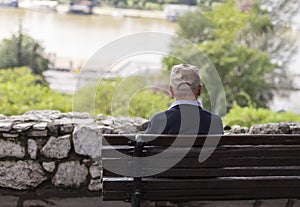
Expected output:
(123, 125)
(9, 148)
(10, 135)
(66, 128)
(32, 148)
(70, 174)
(107, 130)
(63, 121)
(49, 166)
(95, 171)
(95, 185)
(6, 126)
(53, 129)
(295, 129)
(22, 126)
(21, 175)
(40, 126)
(37, 133)
(236, 129)
(87, 140)
(57, 147)
(2, 117)
(272, 128)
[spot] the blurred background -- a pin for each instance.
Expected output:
(45, 44)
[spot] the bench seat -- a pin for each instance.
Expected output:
(240, 167)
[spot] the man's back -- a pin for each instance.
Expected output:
(185, 119)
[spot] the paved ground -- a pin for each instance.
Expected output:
(10, 201)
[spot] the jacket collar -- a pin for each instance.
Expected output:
(186, 102)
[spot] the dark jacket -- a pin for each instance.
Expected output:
(185, 119)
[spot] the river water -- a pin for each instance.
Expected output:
(74, 37)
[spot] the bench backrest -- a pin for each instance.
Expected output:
(241, 167)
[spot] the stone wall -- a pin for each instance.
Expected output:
(271, 128)
(48, 154)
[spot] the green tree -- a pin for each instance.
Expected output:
(23, 50)
(222, 33)
(21, 91)
(196, 27)
(272, 33)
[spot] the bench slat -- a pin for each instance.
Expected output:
(199, 184)
(167, 140)
(271, 151)
(217, 172)
(230, 151)
(220, 192)
(214, 194)
(210, 163)
(234, 194)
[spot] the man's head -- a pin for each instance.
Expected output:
(185, 82)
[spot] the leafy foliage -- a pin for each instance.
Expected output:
(248, 116)
(242, 70)
(21, 91)
(272, 34)
(23, 50)
(122, 98)
(199, 33)
(208, 4)
(229, 34)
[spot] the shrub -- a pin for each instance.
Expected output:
(248, 116)
(21, 91)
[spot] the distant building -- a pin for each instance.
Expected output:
(9, 3)
(173, 12)
(81, 7)
(38, 4)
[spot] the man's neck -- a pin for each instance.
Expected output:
(185, 99)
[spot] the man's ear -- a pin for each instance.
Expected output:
(171, 91)
(200, 89)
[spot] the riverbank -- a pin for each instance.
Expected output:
(129, 12)
(118, 12)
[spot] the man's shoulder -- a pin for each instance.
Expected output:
(216, 123)
(211, 113)
(160, 115)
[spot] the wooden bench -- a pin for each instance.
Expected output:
(241, 167)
